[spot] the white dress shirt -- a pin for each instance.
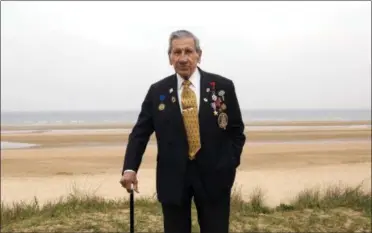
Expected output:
(195, 86)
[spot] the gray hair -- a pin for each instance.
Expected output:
(183, 34)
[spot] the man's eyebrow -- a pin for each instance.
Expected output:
(185, 48)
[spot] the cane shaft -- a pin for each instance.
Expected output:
(131, 212)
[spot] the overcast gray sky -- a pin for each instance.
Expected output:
(104, 55)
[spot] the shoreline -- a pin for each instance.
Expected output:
(65, 126)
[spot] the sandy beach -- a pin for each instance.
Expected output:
(280, 161)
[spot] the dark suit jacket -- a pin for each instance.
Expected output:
(220, 148)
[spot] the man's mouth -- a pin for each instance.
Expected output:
(183, 67)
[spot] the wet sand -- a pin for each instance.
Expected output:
(281, 170)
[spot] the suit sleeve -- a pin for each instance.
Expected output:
(140, 135)
(236, 125)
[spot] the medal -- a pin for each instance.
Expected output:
(214, 97)
(214, 109)
(222, 120)
(161, 107)
(218, 102)
(223, 107)
(222, 94)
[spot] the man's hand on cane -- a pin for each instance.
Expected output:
(128, 179)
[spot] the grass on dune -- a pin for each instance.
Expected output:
(336, 209)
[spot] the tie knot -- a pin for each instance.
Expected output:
(187, 83)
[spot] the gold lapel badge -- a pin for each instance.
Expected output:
(223, 120)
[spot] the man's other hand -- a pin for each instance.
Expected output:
(129, 178)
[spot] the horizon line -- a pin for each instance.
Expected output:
(137, 110)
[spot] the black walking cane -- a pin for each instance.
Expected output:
(131, 206)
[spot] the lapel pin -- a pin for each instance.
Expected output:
(205, 100)
(213, 84)
(171, 90)
(221, 93)
(173, 99)
(208, 89)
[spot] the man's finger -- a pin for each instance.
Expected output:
(128, 185)
(135, 187)
(122, 182)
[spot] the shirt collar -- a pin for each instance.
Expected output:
(194, 79)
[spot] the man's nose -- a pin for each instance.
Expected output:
(183, 57)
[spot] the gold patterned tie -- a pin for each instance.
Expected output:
(190, 117)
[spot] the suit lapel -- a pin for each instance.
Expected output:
(204, 109)
(175, 113)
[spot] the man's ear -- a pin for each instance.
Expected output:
(200, 55)
(170, 61)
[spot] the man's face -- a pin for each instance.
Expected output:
(184, 57)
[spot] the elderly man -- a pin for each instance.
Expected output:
(200, 136)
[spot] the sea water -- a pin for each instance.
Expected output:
(15, 145)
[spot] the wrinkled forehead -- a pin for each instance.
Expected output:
(183, 44)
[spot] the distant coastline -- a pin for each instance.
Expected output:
(130, 117)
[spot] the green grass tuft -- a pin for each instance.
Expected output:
(333, 197)
(335, 209)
